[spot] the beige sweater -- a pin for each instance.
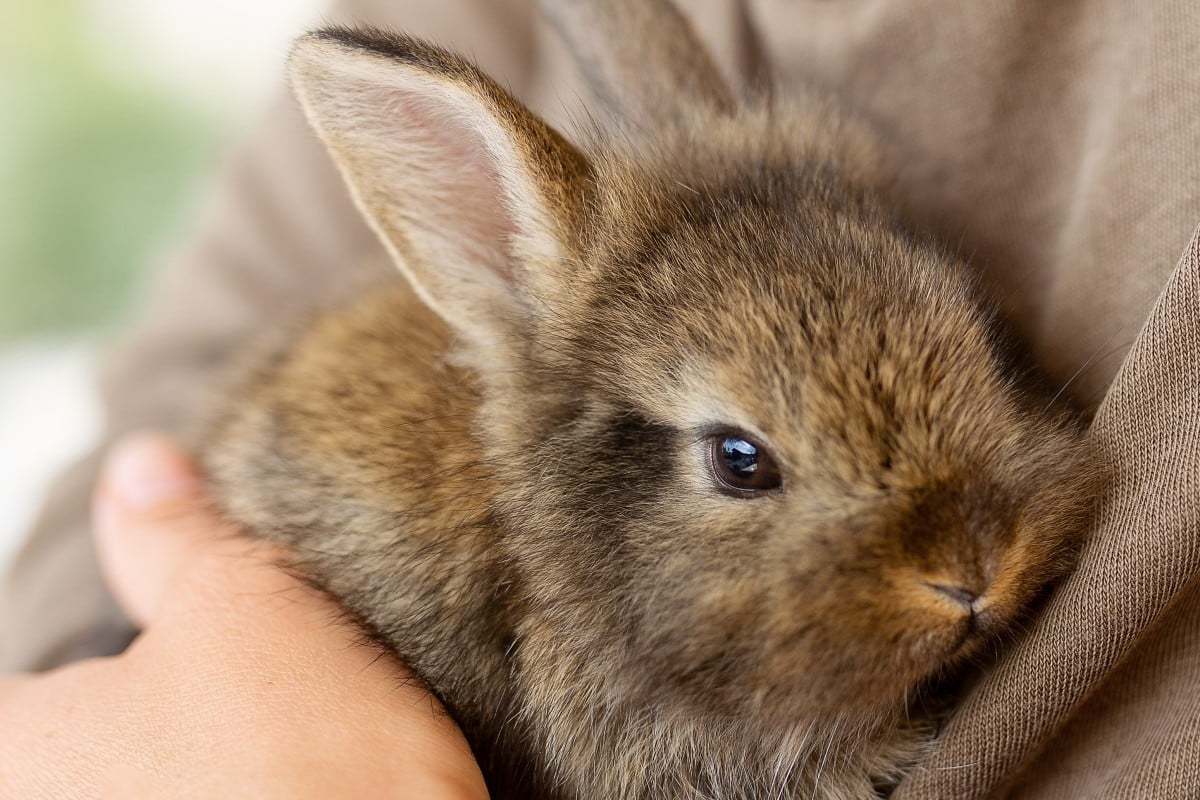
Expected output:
(1058, 141)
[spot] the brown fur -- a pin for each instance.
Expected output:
(514, 492)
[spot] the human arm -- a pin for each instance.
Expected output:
(245, 682)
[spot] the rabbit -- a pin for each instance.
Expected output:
(674, 464)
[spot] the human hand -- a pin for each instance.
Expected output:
(244, 683)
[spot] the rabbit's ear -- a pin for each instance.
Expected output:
(642, 59)
(468, 189)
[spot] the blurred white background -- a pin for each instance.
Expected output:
(116, 113)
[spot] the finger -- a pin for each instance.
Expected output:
(152, 522)
(9, 685)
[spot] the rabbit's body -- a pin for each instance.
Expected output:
(704, 466)
(403, 529)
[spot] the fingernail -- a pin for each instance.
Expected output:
(146, 470)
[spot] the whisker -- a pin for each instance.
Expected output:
(1079, 371)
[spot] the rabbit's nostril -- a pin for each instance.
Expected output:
(959, 594)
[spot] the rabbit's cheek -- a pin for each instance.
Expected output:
(873, 643)
(862, 619)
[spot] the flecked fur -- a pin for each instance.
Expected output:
(505, 473)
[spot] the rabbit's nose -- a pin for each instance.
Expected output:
(960, 594)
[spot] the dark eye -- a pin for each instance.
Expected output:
(742, 465)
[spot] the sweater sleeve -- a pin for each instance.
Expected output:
(1099, 698)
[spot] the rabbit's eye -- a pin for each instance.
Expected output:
(741, 465)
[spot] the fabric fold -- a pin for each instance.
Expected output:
(1143, 550)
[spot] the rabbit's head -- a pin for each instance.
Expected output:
(756, 447)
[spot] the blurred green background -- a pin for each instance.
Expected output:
(113, 114)
(96, 168)
(114, 117)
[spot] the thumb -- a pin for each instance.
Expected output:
(153, 522)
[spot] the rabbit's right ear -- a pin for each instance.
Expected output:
(642, 59)
(471, 193)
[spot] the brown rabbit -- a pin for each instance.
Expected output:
(681, 469)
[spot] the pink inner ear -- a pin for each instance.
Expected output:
(445, 181)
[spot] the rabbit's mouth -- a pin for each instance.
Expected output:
(976, 629)
(977, 619)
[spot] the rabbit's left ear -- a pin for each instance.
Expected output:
(473, 194)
